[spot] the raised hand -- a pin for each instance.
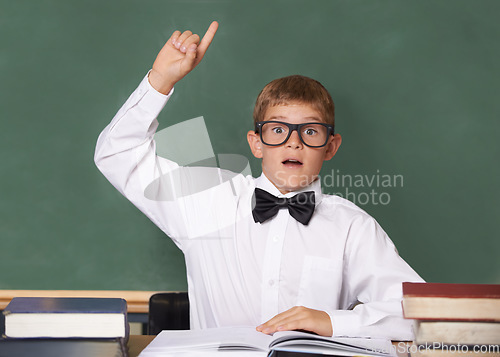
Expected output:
(179, 56)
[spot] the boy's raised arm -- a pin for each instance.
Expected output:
(179, 56)
(126, 151)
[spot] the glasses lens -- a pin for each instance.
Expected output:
(314, 134)
(274, 133)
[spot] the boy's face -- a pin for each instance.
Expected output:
(292, 165)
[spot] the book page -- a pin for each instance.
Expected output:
(226, 338)
(346, 346)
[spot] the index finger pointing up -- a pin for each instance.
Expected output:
(207, 39)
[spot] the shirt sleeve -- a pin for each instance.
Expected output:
(160, 188)
(373, 276)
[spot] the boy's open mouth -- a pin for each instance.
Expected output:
(291, 162)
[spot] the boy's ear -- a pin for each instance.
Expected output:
(332, 146)
(255, 144)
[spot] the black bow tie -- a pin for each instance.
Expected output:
(300, 206)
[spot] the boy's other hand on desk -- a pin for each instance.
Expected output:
(299, 318)
(179, 56)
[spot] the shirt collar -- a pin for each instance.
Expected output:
(264, 183)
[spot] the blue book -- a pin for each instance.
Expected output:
(46, 317)
(67, 347)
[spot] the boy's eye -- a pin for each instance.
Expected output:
(310, 131)
(278, 130)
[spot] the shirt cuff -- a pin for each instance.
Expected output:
(331, 321)
(344, 322)
(150, 100)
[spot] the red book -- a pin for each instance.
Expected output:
(459, 302)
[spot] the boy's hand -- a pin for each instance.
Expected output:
(299, 318)
(180, 55)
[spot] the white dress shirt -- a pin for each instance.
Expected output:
(243, 273)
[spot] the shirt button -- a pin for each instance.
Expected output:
(275, 239)
(271, 282)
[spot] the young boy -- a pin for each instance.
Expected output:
(299, 259)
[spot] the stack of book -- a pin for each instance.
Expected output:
(43, 326)
(454, 319)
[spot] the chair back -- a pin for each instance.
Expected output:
(168, 311)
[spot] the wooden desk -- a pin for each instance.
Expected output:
(137, 343)
(137, 303)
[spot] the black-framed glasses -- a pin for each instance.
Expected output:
(276, 133)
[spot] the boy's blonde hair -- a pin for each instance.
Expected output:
(295, 89)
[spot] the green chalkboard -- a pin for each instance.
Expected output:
(415, 83)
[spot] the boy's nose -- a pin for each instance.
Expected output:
(294, 140)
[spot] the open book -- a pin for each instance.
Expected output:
(221, 341)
